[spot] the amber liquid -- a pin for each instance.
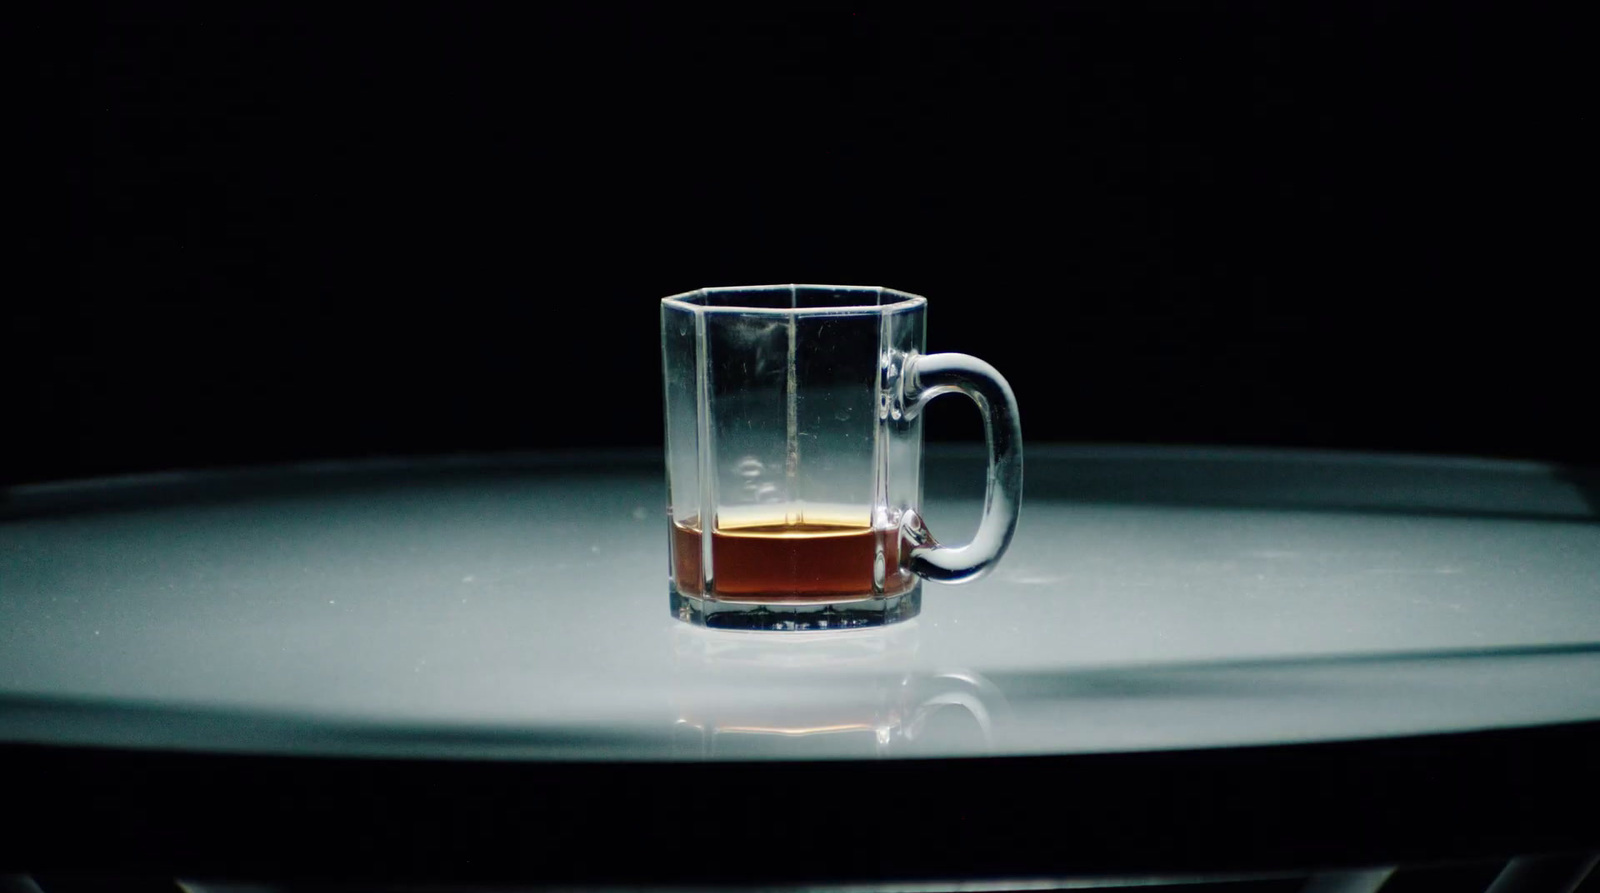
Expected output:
(775, 562)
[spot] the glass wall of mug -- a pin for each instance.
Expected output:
(788, 477)
(794, 456)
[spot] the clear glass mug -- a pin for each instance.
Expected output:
(794, 456)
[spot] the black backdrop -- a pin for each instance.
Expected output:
(317, 233)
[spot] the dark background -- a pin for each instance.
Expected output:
(297, 233)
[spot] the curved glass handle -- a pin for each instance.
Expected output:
(926, 377)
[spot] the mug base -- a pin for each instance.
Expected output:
(855, 614)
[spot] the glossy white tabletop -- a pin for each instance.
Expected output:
(516, 607)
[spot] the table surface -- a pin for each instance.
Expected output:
(515, 607)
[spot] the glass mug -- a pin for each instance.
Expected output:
(794, 456)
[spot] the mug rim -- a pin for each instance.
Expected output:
(902, 300)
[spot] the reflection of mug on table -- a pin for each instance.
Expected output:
(825, 695)
(794, 456)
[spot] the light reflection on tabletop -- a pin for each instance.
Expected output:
(511, 607)
(872, 700)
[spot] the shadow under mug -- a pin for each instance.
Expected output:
(794, 456)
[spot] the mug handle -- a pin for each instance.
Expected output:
(924, 377)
